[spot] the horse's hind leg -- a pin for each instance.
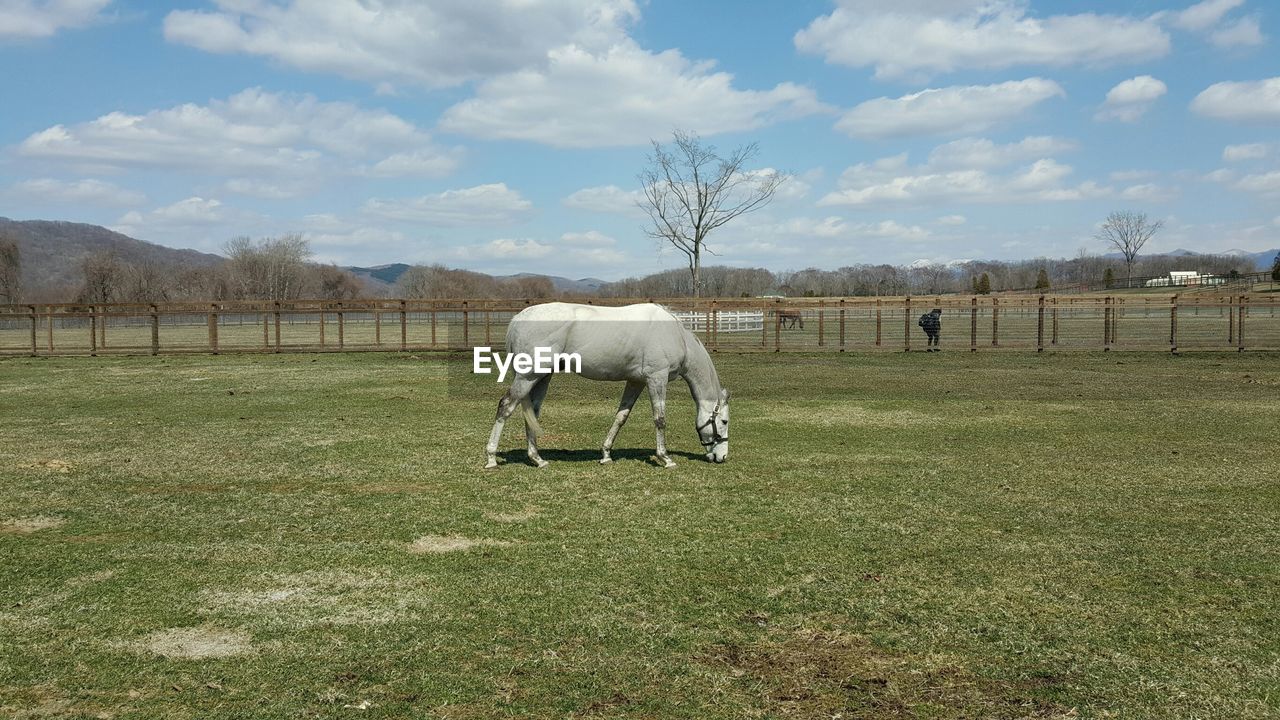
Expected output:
(520, 387)
(629, 396)
(658, 399)
(536, 396)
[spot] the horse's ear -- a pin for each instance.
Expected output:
(724, 394)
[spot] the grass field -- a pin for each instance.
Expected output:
(993, 535)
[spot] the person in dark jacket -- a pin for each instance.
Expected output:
(931, 322)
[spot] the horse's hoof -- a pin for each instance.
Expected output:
(669, 464)
(491, 465)
(605, 461)
(541, 463)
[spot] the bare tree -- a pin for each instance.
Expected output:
(689, 191)
(331, 282)
(10, 275)
(1127, 232)
(103, 278)
(270, 269)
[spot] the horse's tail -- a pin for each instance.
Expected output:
(530, 418)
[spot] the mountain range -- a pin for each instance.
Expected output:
(51, 252)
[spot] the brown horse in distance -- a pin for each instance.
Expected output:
(792, 316)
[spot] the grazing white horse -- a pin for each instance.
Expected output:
(645, 345)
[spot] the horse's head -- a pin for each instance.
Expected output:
(713, 428)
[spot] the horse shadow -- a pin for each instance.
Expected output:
(593, 456)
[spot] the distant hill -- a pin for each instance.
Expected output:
(562, 284)
(1251, 260)
(384, 277)
(51, 251)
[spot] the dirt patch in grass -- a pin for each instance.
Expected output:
(519, 516)
(320, 598)
(812, 674)
(435, 544)
(34, 523)
(53, 465)
(196, 643)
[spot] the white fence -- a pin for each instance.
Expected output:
(725, 320)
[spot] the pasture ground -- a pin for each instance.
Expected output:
(950, 535)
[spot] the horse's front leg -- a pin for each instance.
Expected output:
(520, 387)
(629, 396)
(658, 398)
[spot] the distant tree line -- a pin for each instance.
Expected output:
(975, 276)
(281, 268)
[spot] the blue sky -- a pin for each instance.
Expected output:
(507, 136)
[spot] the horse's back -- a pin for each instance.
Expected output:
(615, 343)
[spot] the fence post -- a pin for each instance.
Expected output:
(466, 330)
(1040, 325)
(277, 323)
(342, 328)
(433, 323)
(404, 328)
(1173, 324)
(842, 338)
(1243, 304)
(102, 327)
(973, 324)
(906, 325)
(48, 309)
(34, 321)
(995, 322)
(488, 320)
(777, 329)
(1231, 319)
(715, 326)
(93, 330)
(213, 328)
(155, 330)
(879, 309)
(822, 305)
(266, 329)
(322, 324)
(1054, 312)
(377, 324)
(1106, 324)
(1117, 311)
(764, 326)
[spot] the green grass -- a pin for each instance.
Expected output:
(953, 535)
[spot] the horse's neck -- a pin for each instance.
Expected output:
(701, 375)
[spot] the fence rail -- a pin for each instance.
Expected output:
(1027, 322)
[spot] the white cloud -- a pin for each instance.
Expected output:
(606, 199)
(43, 18)
(1245, 32)
(1131, 98)
(252, 132)
(1250, 151)
(622, 96)
(1148, 192)
(588, 239)
(261, 189)
(1264, 183)
(436, 44)
(493, 204)
(983, 153)
(1204, 15)
(507, 249)
(92, 192)
(958, 109)
(911, 39)
(1256, 101)
(892, 180)
(193, 222)
(951, 220)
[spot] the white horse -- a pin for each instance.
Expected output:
(645, 345)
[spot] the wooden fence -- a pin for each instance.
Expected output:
(1026, 322)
